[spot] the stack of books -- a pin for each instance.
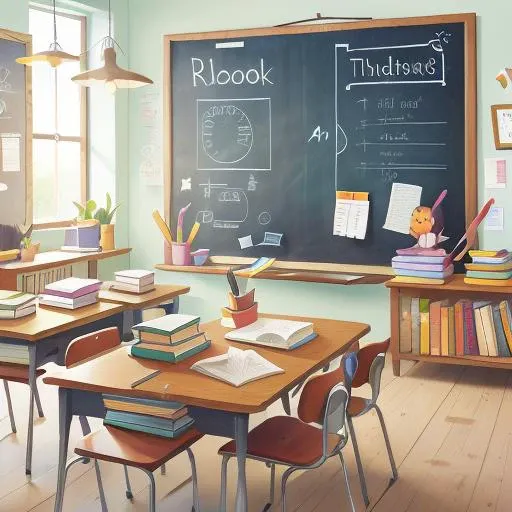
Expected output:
(422, 266)
(441, 328)
(170, 338)
(16, 304)
(84, 237)
(134, 281)
(489, 268)
(70, 293)
(157, 417)
(242, 311)
(14, 354)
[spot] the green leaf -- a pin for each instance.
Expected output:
(111, 214)
(109, 203)
(102, 216)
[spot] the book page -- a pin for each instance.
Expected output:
(282, 329)
(404, 198)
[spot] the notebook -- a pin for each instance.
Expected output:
(275, 333)
(237, 367)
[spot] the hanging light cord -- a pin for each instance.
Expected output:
(55, 45)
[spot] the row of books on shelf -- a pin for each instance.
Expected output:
(157, 417)
(466, 327)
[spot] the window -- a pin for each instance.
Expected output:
(59, 121)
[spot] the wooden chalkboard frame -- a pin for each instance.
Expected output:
(469, 21)
(26, 40)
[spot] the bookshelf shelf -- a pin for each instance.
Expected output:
(453, 290)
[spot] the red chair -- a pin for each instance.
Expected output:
(130, 448)
(296, 442)
(370, 359)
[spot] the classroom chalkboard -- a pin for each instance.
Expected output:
(15, 130)
(265, 125)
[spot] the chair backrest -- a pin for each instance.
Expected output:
(365, 359)
(91, 345)
(334, 417)
(314, 396)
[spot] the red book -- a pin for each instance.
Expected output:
(470, 341)
(459, 327)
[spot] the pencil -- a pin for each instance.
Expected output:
(193, 233)
(162, 226)
(144, 379)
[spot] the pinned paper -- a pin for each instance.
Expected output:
(186, 184)
(495, 219)
(495, 172)
(245, 242)
(273, 239)
(351, 214)
(11, 152)
(404, 198)
(3, 187)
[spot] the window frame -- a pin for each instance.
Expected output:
(82, 137)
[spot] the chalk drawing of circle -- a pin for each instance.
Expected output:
(3, 107)
(264, 218)
(3, 187)
(226, 133)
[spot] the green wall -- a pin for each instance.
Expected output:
(149, 21)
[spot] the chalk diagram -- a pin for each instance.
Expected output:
(388, 142)
(234, 134)
(227, 207)
(5, 87)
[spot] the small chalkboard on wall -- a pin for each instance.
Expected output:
(272, 132)
(15, 130)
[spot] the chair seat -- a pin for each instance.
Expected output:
(17, 372)
(285, 440)
(131, 448)
(357, 405)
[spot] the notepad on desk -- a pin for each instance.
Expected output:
(237, 367)
(275, 333)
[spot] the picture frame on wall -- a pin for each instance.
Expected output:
(502, 125)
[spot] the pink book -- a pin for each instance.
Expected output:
(72, 287)
(420, 251)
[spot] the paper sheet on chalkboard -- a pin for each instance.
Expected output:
(351, 218)
(404, 198)
(11, 152)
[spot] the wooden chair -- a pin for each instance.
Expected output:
(295, 442)
(18, 373)
(130, 448)
(371, 359)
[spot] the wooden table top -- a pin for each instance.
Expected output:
(114, 372)
(161, 293)
(50, 320)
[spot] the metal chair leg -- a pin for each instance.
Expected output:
(223, 482)
(58, 508)
(286, 475)
(38, 403)
(9, 406)
(195, 492)
(103, 501)
(360, 470)
(285, 400)
(272, 486)
(163, 469)
(152, 490)
(388, 444)
(347, 484)
(129, 494)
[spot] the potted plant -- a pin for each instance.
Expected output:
(105, 216)
(28, 250)
(85, 212)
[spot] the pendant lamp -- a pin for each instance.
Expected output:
(54, 55)
(110, 74)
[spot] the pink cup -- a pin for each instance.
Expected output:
(180, 254)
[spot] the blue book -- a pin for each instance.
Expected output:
(501, 340)
(149, 421)
(170, 434)
(305, 340)
(448, 271)
(420, 259)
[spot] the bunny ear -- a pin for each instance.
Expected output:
(442, 195)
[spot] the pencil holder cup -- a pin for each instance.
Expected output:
(180, 254)
(167, 253)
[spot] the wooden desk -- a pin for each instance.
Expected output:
(53, 259)
(161, 293)
(217, 408)
(47, 335)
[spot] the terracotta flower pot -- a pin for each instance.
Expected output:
(107, 237)
(29, 254)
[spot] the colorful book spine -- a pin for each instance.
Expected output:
(459, 328)
(451, 331)
(415, 325)
(435, 328)
(501, 340)
(506, 321)
(405, 324)
(424, 327)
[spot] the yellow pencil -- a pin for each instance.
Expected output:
(193, 232)
(162, 226)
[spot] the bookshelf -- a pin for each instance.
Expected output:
(453, 290)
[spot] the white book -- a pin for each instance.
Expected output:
(61, 302)
(275, 333)
(134, 273)
(141, 281)
(71, 284)
(237, 367)
(133, 288)
(76, 248)
(7, 314)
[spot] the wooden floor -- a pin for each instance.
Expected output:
(450, 428)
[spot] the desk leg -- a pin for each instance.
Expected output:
(65, 416)
(241, 431)
(32, 386)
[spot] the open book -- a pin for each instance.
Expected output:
(237, 367)
(287, 334)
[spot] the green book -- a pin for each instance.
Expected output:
(168, 324)
(10, 300)
(481, 274)
(164, 354)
